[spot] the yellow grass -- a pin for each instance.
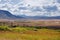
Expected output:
(40, 34)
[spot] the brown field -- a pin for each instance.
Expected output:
(31, 22)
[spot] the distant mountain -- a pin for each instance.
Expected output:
(7, 15)
(42, 17)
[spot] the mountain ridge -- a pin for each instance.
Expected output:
(7, 15)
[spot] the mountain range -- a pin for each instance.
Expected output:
(7, 15)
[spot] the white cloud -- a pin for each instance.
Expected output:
(15, 4)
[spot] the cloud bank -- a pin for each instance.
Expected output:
(31, 7)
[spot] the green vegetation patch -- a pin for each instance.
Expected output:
(16, 29)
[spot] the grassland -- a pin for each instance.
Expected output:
(30, 30)
(26, 33)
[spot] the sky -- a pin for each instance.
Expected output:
(31, 7)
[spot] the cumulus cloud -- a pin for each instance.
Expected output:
(31, 7)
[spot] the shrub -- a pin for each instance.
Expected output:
(4, 28)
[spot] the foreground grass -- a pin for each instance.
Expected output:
(21, 33)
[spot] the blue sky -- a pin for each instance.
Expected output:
(31, 7)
